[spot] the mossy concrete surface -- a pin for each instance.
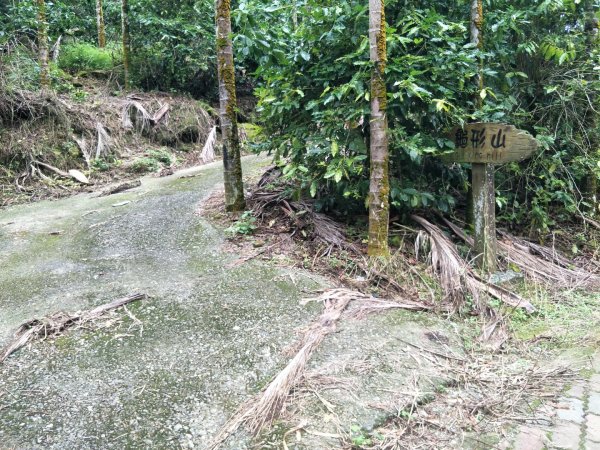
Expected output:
(210, 335)
(168, 372)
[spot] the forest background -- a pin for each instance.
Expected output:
(307, 63)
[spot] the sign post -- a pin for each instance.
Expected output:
(486, 145)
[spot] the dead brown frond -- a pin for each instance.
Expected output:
(457, 278)
(57, 323)
(541, 263)
(260, 411)
(484, 394)
(208, 151)
(135, 116)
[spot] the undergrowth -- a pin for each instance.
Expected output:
(82, 56)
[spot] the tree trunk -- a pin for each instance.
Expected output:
(379, 189)
(43, 45)
(482, 175)
(100, 22)
(592, 188)
(126, 40)
(477, 39)
(232, 164)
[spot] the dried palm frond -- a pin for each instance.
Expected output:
(135, 115)
(56, 323)
(208, 151)
(449, 267)
(260, 411)
(104, 141)
(452, 268)
(541, 263)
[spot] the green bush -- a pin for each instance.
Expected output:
(86, 57)
(142, 165)
(162, 156)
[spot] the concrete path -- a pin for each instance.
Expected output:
(167, 373)
(168, 377)
(575, 417)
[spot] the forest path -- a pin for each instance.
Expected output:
(171, 372)
(209, 333)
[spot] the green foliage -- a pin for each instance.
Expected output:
(245, 226)
(314, 102)
(539, 74)
(100, 165)
(173, 44)
(172, 41)
(86, 57)
(152, 161)
(310, 65)
(144, 164)
(162, 156)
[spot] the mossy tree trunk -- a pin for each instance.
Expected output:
(42, 36)
(232, 164)
(100, 23)
(592, 188)
(126, 41)
(379, 189)
(482, 175)
(477, 39)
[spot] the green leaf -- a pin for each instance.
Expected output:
(334, 148)
(338, 175)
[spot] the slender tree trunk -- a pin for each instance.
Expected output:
(482, 175)
(379, 189)
(43, 45)
(232, 164)
(295, 14)
(126, 40)
(100, 22)
(592, 188)
(477, 39)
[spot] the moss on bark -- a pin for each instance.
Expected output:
(100, 24)
(379, 189)
(234, 187)
(126, 41)
(43, 44)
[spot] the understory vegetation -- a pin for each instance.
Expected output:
(308, 65)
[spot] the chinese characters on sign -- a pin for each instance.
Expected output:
(478, 139)
(490, 143)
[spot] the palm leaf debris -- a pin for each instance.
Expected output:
(57, 323)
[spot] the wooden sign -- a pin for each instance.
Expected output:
(490, 143)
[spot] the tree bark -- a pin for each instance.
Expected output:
(232, 164)
(379, 189)
(100, 23)
(126, 41)
(482, 175)
(477, 39)
(592, 188)
(43, 45)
